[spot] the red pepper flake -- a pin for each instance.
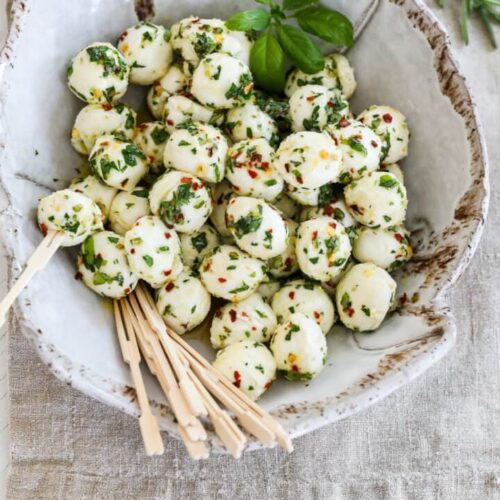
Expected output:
(328, 210)
(269, 384)
(288, 263)
(374, 143)
(237, 378)
(170, 122)
(299, 179)
(222, 280)
(210, 152)
(245, 314)
(350, 312)
(399, 237)
(357, 209)
(185, 180)
(167, 273)
(151, 158)
(132, 250)
(333, 224)
(254, 328)
(168, 235)
(233, 315)
(265, 165)
(295, 368)
(169, 286)
(43, 228)
(317, 315)
(287, 167)
(252, 173)
(196, 186)
(291, 295)
(314, 235)
(344, 122)
(78, 276)
(218, 313)
(255, 157)
(127, 290)
(387, 118)
(107, 107)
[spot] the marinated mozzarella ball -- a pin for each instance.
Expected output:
(301, 296)
(94, 189)
(387, 248)
(390, 125)
(195, 246)
(194, 38)
(151, 139)
(181, 200)
(313, 107)
(250, 171)
(258, 229)
(98, 119)
(394, 169)
(250, 122)
(127, 208)
(98, 74)
(223, 192)
(299, 348)
(248, 365)
(76, 215)
(268, 288)
(250, 319)
(174, 81)
(364, 296)
(117, 163)
(153, 251)
(286, 205)
(377, 199)
(308, 159)
(179, 109)
(103, 265)
(198, 149)
(231, 274)
(323, 248)
(183, 302)
(222, 81)
(285, 264)
(239, 45)
(361, 149)
(147, 50)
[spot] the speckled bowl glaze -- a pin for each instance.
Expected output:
(402, 58)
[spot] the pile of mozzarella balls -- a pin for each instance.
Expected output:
(287, 209)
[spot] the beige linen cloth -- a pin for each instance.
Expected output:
(438, 438)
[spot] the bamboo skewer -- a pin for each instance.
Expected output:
(130, 352)
(38, 260)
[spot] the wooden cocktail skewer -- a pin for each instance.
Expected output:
(38, 260)
(130, 352)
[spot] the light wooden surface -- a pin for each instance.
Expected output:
(469, 373)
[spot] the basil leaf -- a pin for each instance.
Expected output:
(300, 49)
(297, 4)
(267, 62)
(329, 25)
(255, 19)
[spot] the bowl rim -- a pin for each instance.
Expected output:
(117, 396)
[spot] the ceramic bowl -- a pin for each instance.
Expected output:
(402, 58)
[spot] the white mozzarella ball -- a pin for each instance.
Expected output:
(181, 200)
(288, 207)
(250, 171)
(222, 81)
(183, 302)
(127, 208)
(299, 348)
(98, 74)
(147, 50)
(250, 122)
(377, 199)
(313, 107)
(76, 215)
(198, 149)
(223, 192)
(231, 274)
(174, 81)
(179, 109)
(250, 319)
(268, 288)
(286, 263)
(118, 163)
(394, 169)
(103, 266)
(153, 251)
(94, 189)
(346, 81)
(194, 38)
(248, 365)
(195, 246)
(387, 248)
(391, 126)
(239, 45)
(364, 296)
(303, 196)
(151, 138)
(361, 149)
(98, 119)
(323, 248)
(301, 296)
(258, 228)
(309, 159)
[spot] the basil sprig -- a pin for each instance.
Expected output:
(279, 40)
